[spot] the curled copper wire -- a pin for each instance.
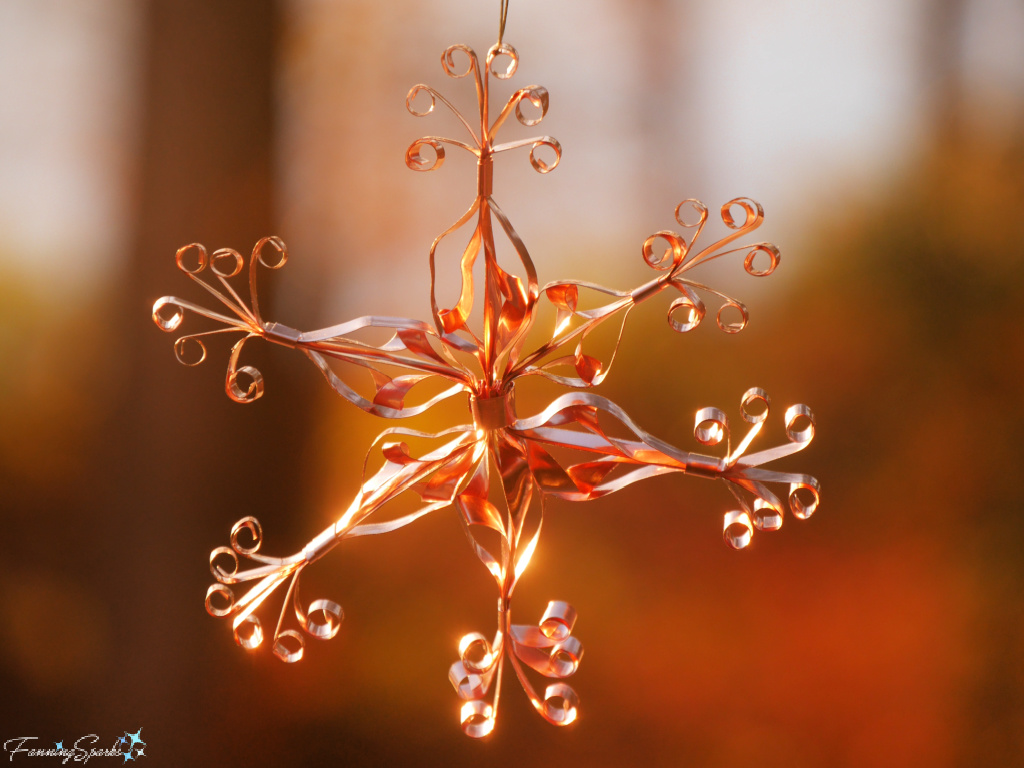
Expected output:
(455, 467)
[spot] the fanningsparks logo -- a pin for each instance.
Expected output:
(130, 746)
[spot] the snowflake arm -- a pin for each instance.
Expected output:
(573, 325)
(436, 477)
(508, 300)
(414, 354)
(577, 421)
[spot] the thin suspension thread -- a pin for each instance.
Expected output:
(501, 21)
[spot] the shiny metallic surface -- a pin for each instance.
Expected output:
(599, 448)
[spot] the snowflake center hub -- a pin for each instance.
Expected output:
(494, 412)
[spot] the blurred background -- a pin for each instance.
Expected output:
(886, 144)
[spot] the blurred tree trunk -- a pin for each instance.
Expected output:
(942, 62)
(667, 171)
(183, 461)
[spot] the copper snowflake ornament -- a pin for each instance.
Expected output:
(457, 467)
